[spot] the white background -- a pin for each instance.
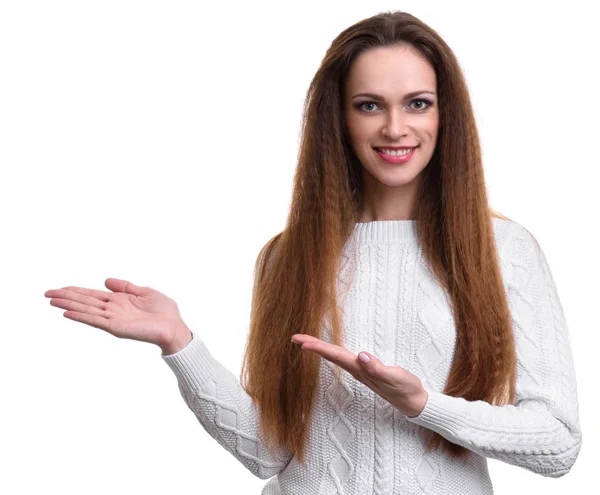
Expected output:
(156, 142)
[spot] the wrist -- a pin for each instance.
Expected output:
(418, 404)
(181, 337)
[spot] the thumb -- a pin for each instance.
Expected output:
(377, 369)
(370, 362)
(118, 285)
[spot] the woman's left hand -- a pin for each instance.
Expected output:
(397, 385)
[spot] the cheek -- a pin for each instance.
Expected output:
(358, 127)
(433, 126)
(361, 132)
(353, 129)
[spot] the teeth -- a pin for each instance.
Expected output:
(396, 152)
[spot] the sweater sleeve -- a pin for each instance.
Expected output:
(541, 431)
(224, 409)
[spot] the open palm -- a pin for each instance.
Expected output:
(128, 312)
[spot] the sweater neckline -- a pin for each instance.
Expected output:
(386, 231)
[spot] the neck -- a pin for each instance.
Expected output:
(382, 202)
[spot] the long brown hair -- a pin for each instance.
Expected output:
(296, 270)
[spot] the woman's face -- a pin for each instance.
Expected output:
(401, 111)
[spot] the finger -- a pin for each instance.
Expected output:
(71, 291)
(91, 320)
(378, 370)
(300, 338)
(71, 305)
(118, 285)
(373, 365)
(336, 354)
(348, 362)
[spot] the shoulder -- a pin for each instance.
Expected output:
(510, 237)
(520, 253)
(514, 239)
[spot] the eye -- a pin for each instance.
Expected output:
(360, 105)
(428, 103)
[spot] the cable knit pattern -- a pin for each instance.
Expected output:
(340, 431)
(405, 473)
(395, 308)
(384, 438)
(339, 396)
(224, 409)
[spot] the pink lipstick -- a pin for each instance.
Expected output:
(396, 159)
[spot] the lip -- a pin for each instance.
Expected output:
(396, 159)
(394, 147)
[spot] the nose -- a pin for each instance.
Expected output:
(395, 125)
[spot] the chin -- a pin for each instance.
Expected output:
(395, 183)
(398, 176)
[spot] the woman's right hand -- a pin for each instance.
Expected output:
(128, 312)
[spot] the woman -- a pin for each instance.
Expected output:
(391, 248)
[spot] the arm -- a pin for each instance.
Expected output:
(541, 432)
(224, 409)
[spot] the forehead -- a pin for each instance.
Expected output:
(389, 70)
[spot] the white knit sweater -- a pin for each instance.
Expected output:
(394, 308)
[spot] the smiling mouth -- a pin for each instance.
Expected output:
(403, 151)
(397, 159)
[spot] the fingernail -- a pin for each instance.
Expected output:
(364, 358)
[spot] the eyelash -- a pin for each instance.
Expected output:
(429, 103)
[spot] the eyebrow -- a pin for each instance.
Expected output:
(381, 98)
